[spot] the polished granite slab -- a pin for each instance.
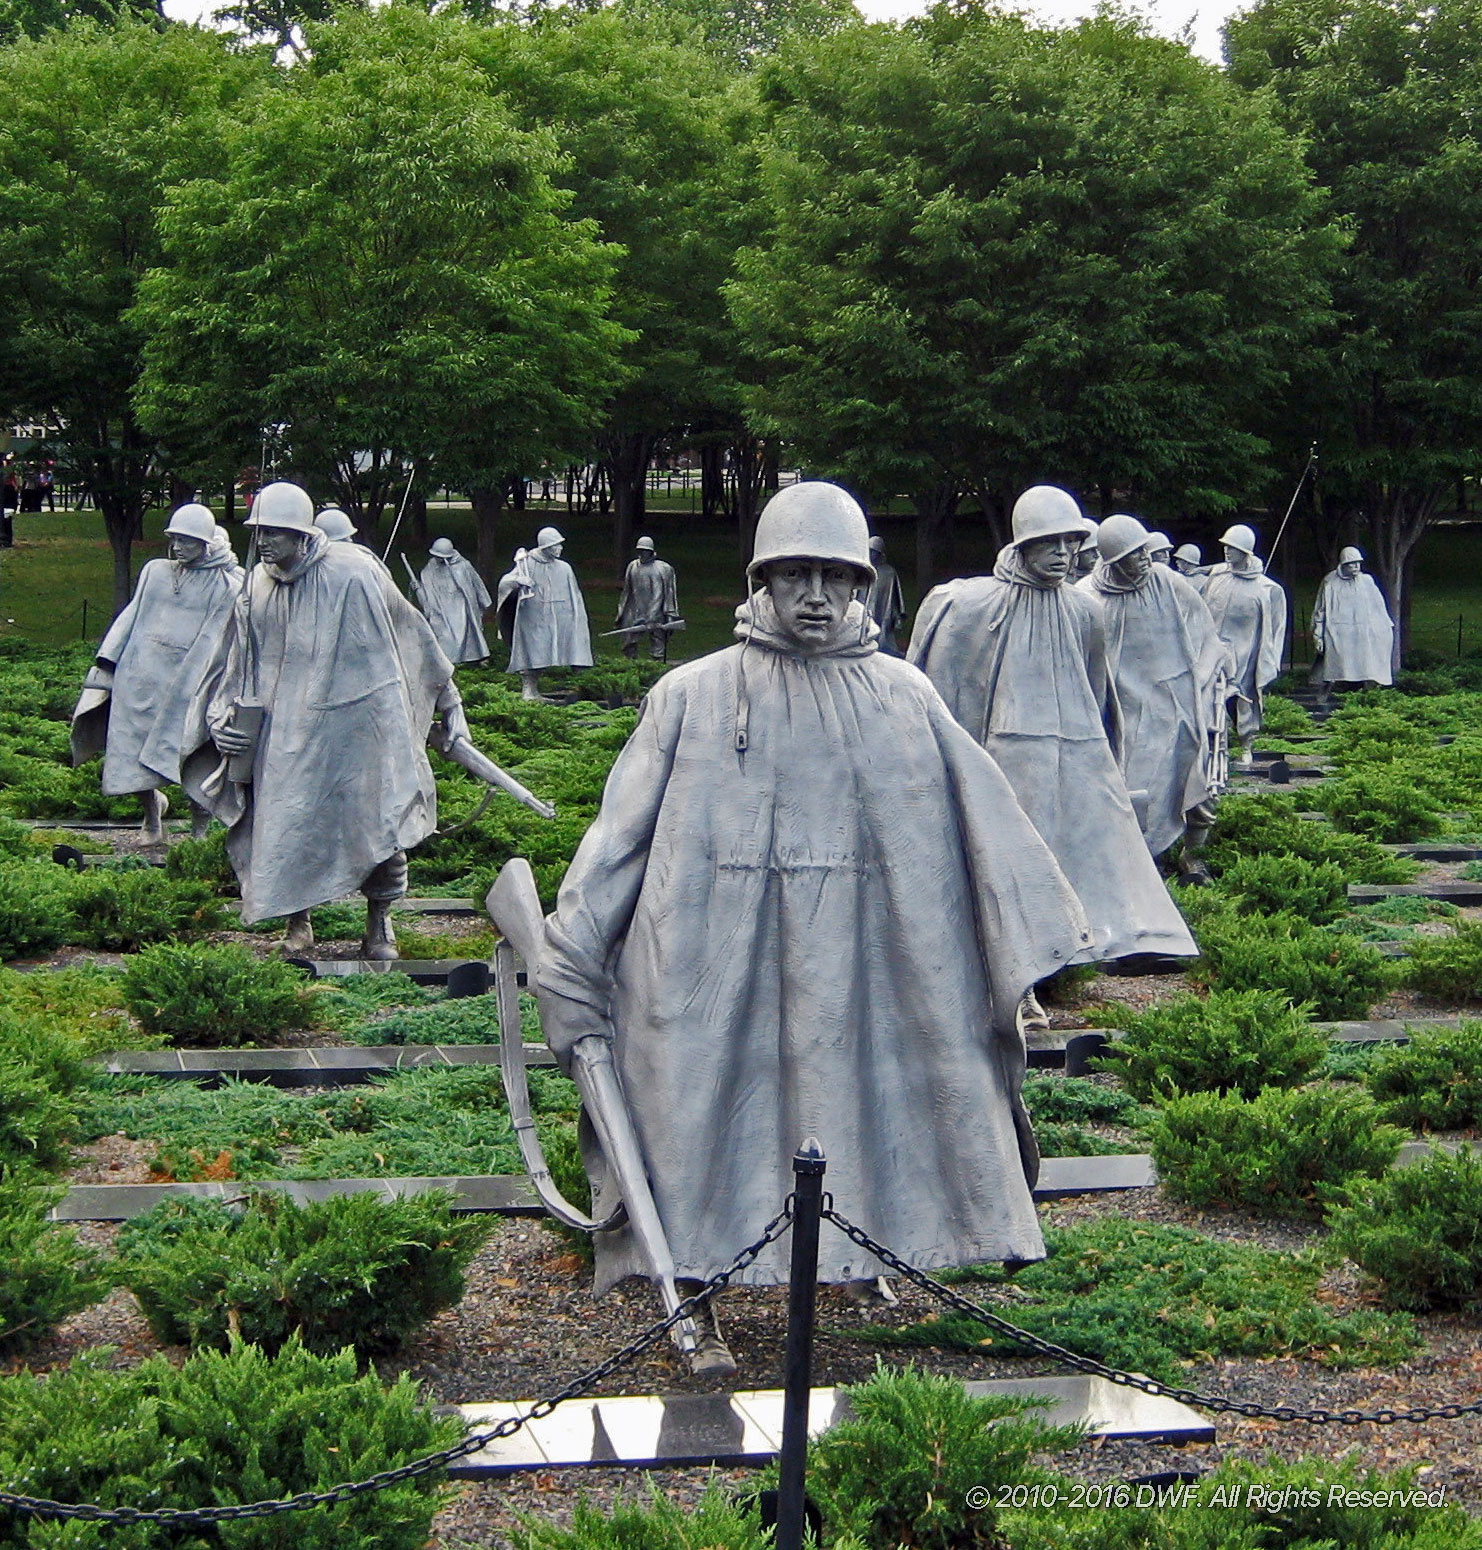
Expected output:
(746, 1427)
(1462, 894)
(330, 1066)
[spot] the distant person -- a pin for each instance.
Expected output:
(10, 499)
(48, 488)
(31, 492)
(650, 597)
(1352, 632)
(885, 603)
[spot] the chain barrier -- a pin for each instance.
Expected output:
(87, 1512)
(1130, 1380)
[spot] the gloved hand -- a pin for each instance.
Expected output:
(452, 722)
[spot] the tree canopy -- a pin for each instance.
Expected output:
(999, 254)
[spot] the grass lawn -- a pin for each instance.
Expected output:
(62, 560)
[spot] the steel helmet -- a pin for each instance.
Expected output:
(645, 543)
(1189, 554)
(283, 505)
(1089, 541)
(1351, 556)
(1157, 542)
(192, 521)
(1119, 535)
(546, 538)
(1240, 537)
(443, 548)
(335, 525)
(877, 545)
(812, 520)
(1046, 511)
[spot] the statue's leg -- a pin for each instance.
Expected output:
(156, 805)
(299, 937)
(387, 883)
(630, 646)
(875, 1292)
(529, 685)
(1031, 1016)
(200, 821)
(1198, 821)
(712, 1356)
(658, 645)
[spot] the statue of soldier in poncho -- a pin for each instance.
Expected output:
(312, 735)
(1168, 666)
(885, 604)
(1352, 632)
(542, 613)
(650, 597)
(1189, 563)
(455, 599)
(1159, 548)
(152, 662)
(1020, 659)
(1249, 611)
(336, 525)
(1087, 554)
(809, 905)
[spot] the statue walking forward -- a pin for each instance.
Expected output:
(1168, 667)
(1249, 611)
(809, 905)
(455, 599)
(651, 597)
(312, 736)
(885, 602)
(542, 613)
(1352, 632)
(1020, 659)
(136, 702)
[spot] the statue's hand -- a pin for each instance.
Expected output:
(229, 741)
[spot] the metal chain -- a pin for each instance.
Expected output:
(87, 1512)
(1131, 1380)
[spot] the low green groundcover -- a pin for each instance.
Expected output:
(1148, 1298)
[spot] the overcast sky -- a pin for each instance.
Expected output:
(1168, 17)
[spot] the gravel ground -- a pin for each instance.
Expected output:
(528, 1322)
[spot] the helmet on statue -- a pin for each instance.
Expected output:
(812, 520)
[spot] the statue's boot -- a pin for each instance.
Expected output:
(299, 937)
(530, 686)
(874, 1292)
(1031, 1016)
(156, 805)
(380, 941)
(711, 1357)
(1198, 821)
(200, 822)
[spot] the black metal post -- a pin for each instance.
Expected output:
(808, 1166)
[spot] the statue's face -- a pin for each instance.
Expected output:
(186, 550)
(1185, 567)
(811, 597)
(647, 556)
(1049, 559)
(554, 552)
(280, 546)
(1160, 556)
(1350, 568)
(1236, 559)
(1132, 567)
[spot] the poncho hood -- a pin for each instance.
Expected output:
(757, 625)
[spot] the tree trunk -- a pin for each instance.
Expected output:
(936, 505)
(121, 519)
(713, 500)
(749, 459)
(1396, 526)
(487, 504)
(229, 507)
(416, 519)
(627, 464)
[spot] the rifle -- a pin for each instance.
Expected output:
(643, 629)
(514, 907)
(461, 751)
(413, 578)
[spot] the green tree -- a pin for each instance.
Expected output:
(999, 254)
(33, 18)
(1386, 95)
(653, 129)
(95, 123)
(743, 32)
(386, 266)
